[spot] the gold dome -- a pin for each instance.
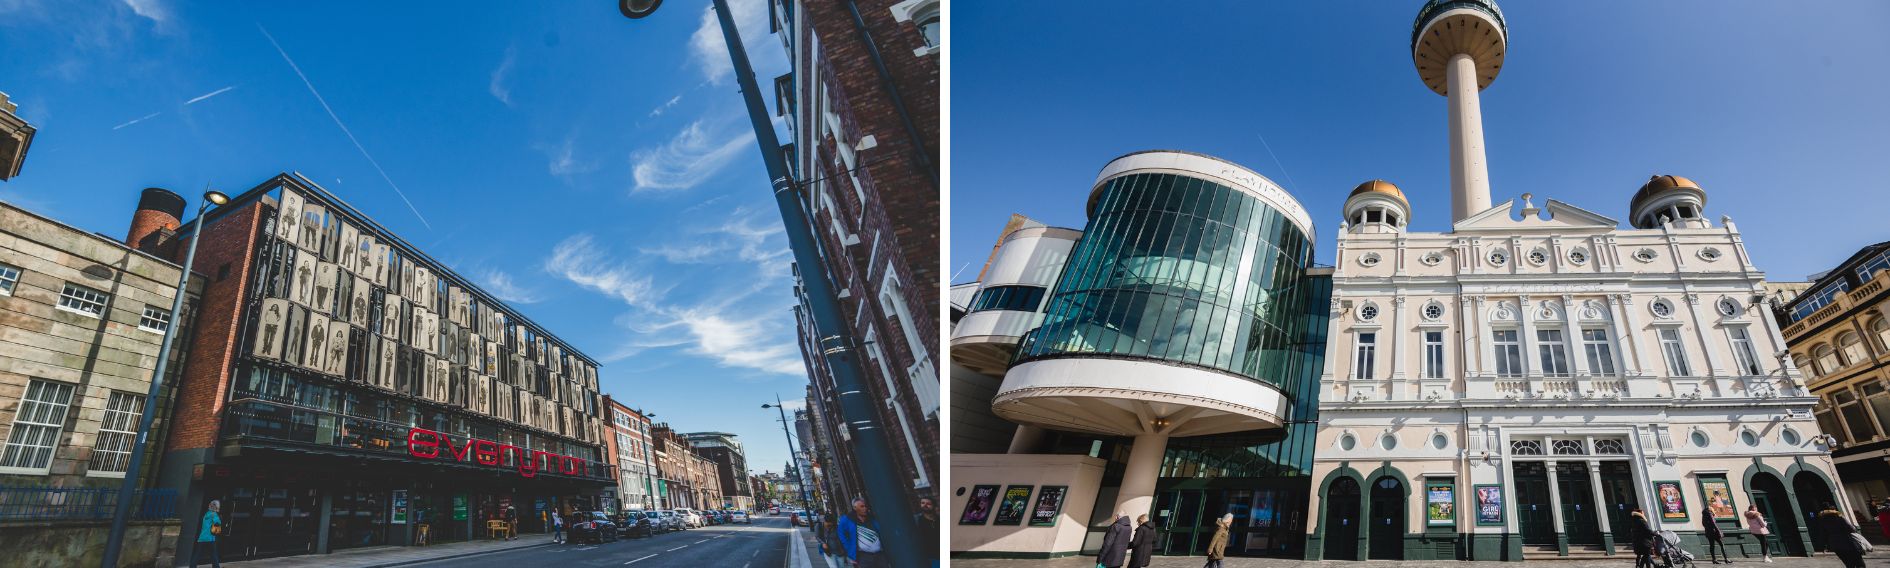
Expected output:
(1380, 186)
(1662, 183)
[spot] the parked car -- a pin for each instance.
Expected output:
(593, 527)
(690, 517)
(671, 520)
(740, 517)
(775, 510)
(635, 524)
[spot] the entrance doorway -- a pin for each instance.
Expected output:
(1387, 532)
(273, 521)
(1812, 495)
(1620, 498)
(1341, 524)
(1769, 494)
(1578, 503)
(1533, 514)
(1179, 515)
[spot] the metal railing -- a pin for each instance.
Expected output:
(62, 504)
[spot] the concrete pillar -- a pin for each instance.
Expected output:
(1137, 496)
(1555, 506)
(322, 522)
(1469, 168)
(1026, 440)
(1601, 502)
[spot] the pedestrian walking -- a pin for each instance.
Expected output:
(859, 534)
(511, 522)
(1715, 537)
(926, 522)
(207, 535)
(1115, 544)
(557, 528)
(1883, 517)
(1217, 548)
(1760, 530)
(1142, 546)
(1841, 536)
(1643, 537)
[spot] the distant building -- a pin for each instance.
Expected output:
(730, 466)
(862, 108)
(1839, 333)
(16, 137)
(630, 450)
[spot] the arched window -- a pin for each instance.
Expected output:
(1826, 358)
(1525, 447)
(1853, 347)
(1881, 327)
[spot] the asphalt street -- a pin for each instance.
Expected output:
(764, 544)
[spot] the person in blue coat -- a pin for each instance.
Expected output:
(207, 536)
(859, 536)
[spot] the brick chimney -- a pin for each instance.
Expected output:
(154, 225)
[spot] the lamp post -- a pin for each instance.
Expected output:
(887, 487)
(794, 462)
(129, 487)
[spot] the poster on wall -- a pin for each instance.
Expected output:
(1718, 499)
(459, 506)
(337, 348)
(289, 217)
(303, 280)
(315, 349)
(313, 218)
(1049, 506)
(1011, 510)
(270, 326)
(1440, 503)
(399, 517)
(1673, 506)
(978, 506)
(1489, 504)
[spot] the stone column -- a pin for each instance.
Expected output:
(1555, 504)
(1526, 337)
(1137, 496)
(1601, 503)
(1469, 168)
(1397, 336)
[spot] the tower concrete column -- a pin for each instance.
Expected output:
(1469, 168)
(1137, 496)
(1026, 440)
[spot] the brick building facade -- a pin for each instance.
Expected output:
(630, 449)
(862, 104)
(731, 468)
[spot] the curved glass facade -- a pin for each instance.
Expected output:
(1184, 270)
(1015, 298)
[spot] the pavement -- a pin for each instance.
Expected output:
(1879, 558)
(768, 543)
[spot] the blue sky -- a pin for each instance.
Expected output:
(1778, 109)
(598, 173)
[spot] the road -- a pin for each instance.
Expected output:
(764, 544)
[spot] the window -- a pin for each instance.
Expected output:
(1014, 298)
(1388, 442)
(1368, 313)
(1570, 448)
(1439, 441)
(1538, 257)
(1808, 304)
(1662, 309)
(1554, 354)
(1700, 439)
(1498, 257)
(1578, 256)
(36, 426)
(1610, 446)
(1870, 268)
(155, 319)
(1347, 442)
(1433, 311)
(1525, 447)
(1855, 416)
(9, 277)
(1367, 351)
(1600, 352)
(1874, 395)
(1676, 353)
(1508, 353)
(1433, 354)
(1826, 358)
(1729, 307)
(1749, 438)
(1881, 328)
(1854, 351)
(83, 300)
(1743, 355)
(112, 451)
(1790, 437)
(927, 20)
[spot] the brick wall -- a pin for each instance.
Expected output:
(229, 241)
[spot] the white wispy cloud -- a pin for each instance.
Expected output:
(155, 10)
(208, 95)
(344, 127)
(138, 120)
(579, 260)
(665, 106)
(564, 161)
(744, 236)
(697, 152)
(501, 284)
(498, 87)
(724, 335)
(710, 53)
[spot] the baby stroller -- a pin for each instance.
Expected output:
(1670, 553)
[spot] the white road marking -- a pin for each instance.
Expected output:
(703, 541)
(677, 548)
(640, 559)
(757, 553)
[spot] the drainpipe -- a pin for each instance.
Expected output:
(892, 91)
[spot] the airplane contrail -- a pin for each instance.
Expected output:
(210, 94)
(137, 120)
(344, 127)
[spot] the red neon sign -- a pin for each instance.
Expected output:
(427, 444)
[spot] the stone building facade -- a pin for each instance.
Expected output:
(1838, 328)
(861, 104)
(731, 467)
(631, 451)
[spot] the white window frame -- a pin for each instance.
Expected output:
(1826, 358)
(42, 411)
(117, 433)
(1744, 354)
(912, 10)
(1364, 355)
(1552, 352)
(1674, 350)
(155, 314)
(1433, 355)
(9, 278)
(1600, 352)
(1853, 350)
(1498, 345)
(77, 294)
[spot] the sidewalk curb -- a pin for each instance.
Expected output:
(452, 556)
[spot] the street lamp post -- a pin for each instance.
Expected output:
(886, 486)
(122, 513)
(793, 461)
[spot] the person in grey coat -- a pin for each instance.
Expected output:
(1115, 544)
(1143, 545)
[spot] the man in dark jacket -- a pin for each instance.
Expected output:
(1838, 531)
(1644, 539)
(1715, 537)
(1143, 545)
(1115, 544)
(926, 521)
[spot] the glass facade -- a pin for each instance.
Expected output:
(1015, 298)
(1183, 270)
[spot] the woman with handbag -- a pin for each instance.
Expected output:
(1760, 530)
(1841, 537)
(207, 536)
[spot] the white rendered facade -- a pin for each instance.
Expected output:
(1454, 357)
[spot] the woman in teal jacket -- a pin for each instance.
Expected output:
(207, 536)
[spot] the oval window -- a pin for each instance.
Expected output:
(1347, 442)
(1699, 438)
(1790, 437)
(1749, 438)
(1388, 442)
(1439, 441)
